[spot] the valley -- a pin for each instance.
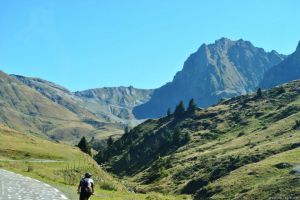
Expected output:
(223, 136)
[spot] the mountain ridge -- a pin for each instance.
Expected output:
(108, 104)
(223, 69)
(287, 70)
(48, 110)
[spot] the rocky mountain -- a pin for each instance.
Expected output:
(112, 105)
(221, 70)
(286, 71)
(114, 101)
(109, 104)
(246, 147)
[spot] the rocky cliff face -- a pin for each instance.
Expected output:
(286, 71)
(115, 101)
(221, 70)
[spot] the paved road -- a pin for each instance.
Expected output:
(17, 187)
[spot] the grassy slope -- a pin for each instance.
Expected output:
(25, 109)
(107, 110)
(63, 175)
(232, 152)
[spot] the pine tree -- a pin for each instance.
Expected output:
(187, 137)
(179, 111)
(84, 146)
(176, 136)
(259, 93)
(169, 112)
(192, 107)
(109, 141)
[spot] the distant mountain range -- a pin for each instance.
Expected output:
(221, 70)
(43, 108)
(115, 102)
(109, 104)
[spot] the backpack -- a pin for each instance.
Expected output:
(86, 185)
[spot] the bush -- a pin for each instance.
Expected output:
(194, 185)
(29, 168)
(282, 165)
(107, 186)
(218, 172)
(280, 90)
(209, 136)
(207, 192)
(241, 134)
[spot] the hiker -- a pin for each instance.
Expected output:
(86, 187)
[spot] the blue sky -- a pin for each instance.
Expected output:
(95, 43)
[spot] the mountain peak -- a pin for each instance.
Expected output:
(222, 69)
(224, 42)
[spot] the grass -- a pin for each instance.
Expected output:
(263, 178)
(51, 112)
(236, 137)
(17, 151)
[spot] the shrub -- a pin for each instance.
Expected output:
(207, 192)
(280, 90)
(209, 136)
(282, 165)
(194, 185)
(241, 134)
(107, 186)
(29, 168)
(218, 172)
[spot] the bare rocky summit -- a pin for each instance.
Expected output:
(221, 70)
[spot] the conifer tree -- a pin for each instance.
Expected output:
(169, 112)
(176, 136)
(84, 146)
(192, 106)
(187, 137)
(259, 93)
(179, 111)
(110, 141)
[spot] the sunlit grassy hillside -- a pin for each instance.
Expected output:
(247, 146)
(61, 166)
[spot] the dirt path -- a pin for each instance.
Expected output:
(17, 187)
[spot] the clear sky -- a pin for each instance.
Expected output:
(83, 44)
